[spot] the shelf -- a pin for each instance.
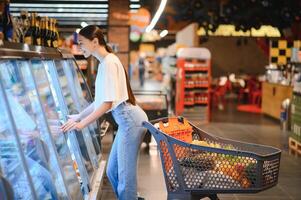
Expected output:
(189, 86)
(201, 102)
(196, 86)
(196, 69)
(188, 103)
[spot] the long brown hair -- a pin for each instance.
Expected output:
(90, 32)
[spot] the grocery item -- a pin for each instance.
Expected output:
(178, 128)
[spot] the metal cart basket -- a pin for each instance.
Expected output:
(216, 165)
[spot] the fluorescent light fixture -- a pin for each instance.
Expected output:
(157, 16)
(84, 24)
(163, 33)
(135, 6)
(77, 30)
(35, 5)
(67, 10)
(57, 15)
(134, 0)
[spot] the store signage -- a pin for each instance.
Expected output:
(137, 20)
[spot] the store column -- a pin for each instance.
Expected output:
(119, 30)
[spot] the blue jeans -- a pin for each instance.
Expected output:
(122, 164)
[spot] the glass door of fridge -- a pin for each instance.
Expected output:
(12, 160)
(67, 106)
(55, 119)
(43, 159)
(70, 71)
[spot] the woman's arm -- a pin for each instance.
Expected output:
(87, 111)
(71, 124)
(102, 109)
(77, 117)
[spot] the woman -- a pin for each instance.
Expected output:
(113, 93)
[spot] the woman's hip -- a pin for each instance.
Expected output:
(128, 115)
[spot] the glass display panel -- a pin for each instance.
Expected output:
(12, 168)
(33, 130)
(63, 85)
(82, 97)
(54, 122)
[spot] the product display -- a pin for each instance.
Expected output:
(193, 83)
(39, 107)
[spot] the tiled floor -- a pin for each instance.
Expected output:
(229, 123)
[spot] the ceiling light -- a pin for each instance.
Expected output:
(68, 10)
(34, 5)
(56, 15)
(157, 16)
(163, 33)
(135, 6)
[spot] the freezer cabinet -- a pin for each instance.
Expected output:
(44, 148)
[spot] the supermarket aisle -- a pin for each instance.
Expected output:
(231, 124)
(148, 85)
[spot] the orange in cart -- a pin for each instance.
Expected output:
(177, 129)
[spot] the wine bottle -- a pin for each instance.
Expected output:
(7, 22)
(28, 38)
(47, 33)
(43, 31)
(23, 25)
(1, 22)
(51, 33)
(56, 34)
(37, 34)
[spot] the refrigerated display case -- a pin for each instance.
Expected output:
(34, 82)
(68, 76)
(12, 160)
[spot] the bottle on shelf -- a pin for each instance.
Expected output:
(52, 33)
(56, 34)
(1, 24)
(21, 26)
(7, 22)
(43, 31)
(47, 36)
(28, 37)
(37, 33)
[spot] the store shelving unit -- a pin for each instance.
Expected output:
(193, 83)
(295, 137)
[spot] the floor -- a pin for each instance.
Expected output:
(228, 123)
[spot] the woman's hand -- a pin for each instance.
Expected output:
(71, 124)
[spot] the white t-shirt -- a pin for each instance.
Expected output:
(110, 84)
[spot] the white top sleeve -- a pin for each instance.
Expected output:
(110, 84)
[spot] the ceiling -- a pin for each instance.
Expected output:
(244, 14)
(70, 14)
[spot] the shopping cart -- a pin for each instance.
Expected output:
(212, 165)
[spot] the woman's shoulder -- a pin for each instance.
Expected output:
(112, 59)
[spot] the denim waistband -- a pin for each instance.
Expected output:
(126, 114)
(121, 106)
